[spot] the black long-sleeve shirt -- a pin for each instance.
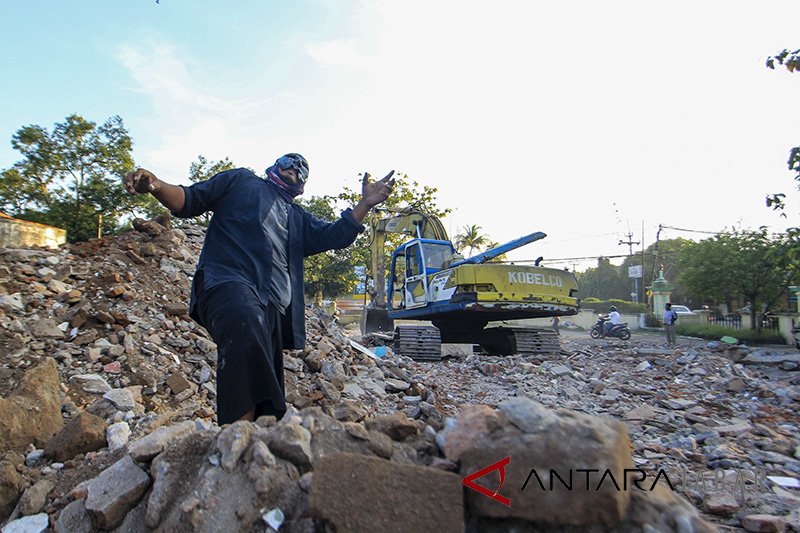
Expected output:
(237, 248)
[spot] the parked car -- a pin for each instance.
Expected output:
(682, 310)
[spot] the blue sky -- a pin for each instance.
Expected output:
(579, 119)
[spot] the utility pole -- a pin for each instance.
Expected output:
(630, 242)
(643, 300)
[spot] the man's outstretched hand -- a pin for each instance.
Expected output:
(142, 181)
(376, 192)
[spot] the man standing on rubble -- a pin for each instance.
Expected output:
(248, 288)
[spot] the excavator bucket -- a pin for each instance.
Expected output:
(375, 320)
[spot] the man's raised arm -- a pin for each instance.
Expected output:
(142, 181)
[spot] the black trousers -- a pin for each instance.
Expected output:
(249, 351)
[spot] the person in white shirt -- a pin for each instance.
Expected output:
(613, 319)
(670, 316)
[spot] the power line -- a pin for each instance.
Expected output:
(715, 232)
(568, 259)
(549, 240)
(695, 230)
(656, 252)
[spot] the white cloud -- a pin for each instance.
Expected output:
(194, 113)
(337, 52)
(166, 80)
(526, 116)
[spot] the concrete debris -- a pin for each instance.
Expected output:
(397, 426)
(292, 442)
(91, 383)
(84, 433)
(764, 523)
(171, 470)
(411, 498)
(766, 357)
(110, 419)
(115, 492)
(721, 503)
(147, 447)
(74, 518)
(33, 499)
(28, 524)
(32, 413)
(11, 487)
(539, 442)
(117, 436)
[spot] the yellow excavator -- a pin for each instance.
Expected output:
(429, 280)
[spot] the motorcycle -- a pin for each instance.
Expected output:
(620, 331)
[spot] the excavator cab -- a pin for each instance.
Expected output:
(412, 264)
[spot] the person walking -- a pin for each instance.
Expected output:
(556, 322)
(670, 317)
(248, 288)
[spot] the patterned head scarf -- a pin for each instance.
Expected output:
(289, 161)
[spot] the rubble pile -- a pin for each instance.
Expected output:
(113, 314)
(721, 420)
(309, 471)
(107, 420)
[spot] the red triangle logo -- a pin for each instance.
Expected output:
(500, 465)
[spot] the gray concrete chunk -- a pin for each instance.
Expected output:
(411, 498)
(115, 492)
(151, 445)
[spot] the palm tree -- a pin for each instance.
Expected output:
(471, 238)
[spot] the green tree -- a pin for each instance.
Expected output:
(72, 177)
(472, 238)
(787, 58)
(743, 266)
(202, 170)
(15, 191)
(604, 282)
(791, 240)
(790, 60)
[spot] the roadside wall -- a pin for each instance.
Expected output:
(349, 308)
(15, 233)
(585, 319)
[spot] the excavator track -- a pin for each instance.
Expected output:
(421, 343)
(520, 341)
